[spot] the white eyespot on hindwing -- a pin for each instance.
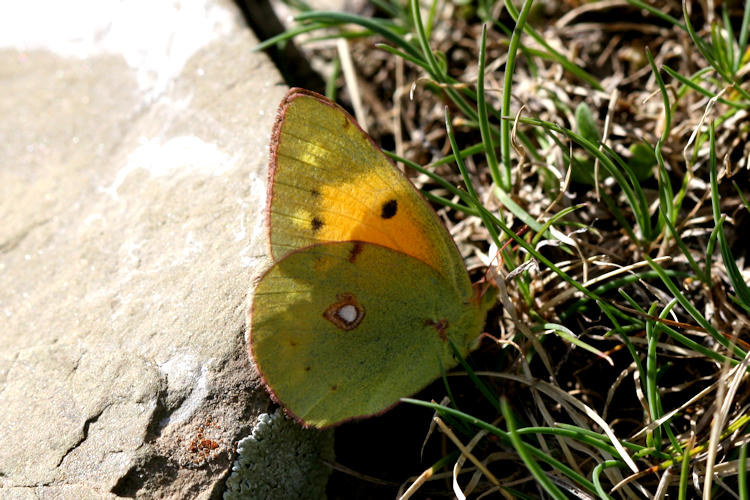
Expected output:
(346, 313)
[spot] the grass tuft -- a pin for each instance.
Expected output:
(593, 160)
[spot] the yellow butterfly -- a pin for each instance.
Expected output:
(367, 288)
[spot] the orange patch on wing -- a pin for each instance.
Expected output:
(376, 216)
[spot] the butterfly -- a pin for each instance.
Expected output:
(367, 289)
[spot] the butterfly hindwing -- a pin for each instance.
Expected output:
(336, 336)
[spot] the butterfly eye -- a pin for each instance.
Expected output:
(346, 313)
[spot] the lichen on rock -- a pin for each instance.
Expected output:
(280, 459)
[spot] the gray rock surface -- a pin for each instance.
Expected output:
(133, 153)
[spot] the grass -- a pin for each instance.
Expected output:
(596, 190)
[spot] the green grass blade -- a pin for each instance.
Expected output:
(689, 82)
(733, 272)
(286, 36)
(693, 312)
(652, 386)
(685, 251)
(606, 163)
(457, 155)
(744, 29)
(515, 39)
(741, 196)
(597, 475)
(463, 195)
(566, 334)
(540, 455)
(541, 477)
(433, 67)
(732, 59)
(720, 49)
(742, 474)
(684, 474)
(399, 53)
(666, 193)
(383, 27)
(484, 122)
(658, 13)
(705, 49)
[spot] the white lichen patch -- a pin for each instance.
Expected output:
(280, 459)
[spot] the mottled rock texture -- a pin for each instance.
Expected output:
(133, 159)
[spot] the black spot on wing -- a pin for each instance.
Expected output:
(316, 224)
(388, 209)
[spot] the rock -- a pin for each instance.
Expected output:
(132, 186)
